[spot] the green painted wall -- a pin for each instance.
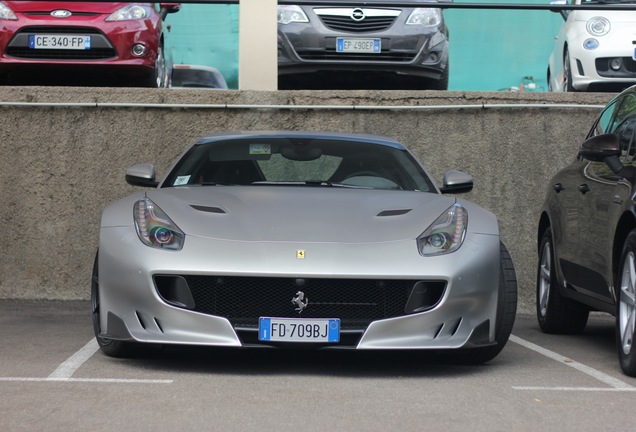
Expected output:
(489, 49)
(496, 49)
(206, 35)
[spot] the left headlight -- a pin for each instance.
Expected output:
(598, 26)
(446, 234)
(428, 17)
(130, 12)
(155, 228)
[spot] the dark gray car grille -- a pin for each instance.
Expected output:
(357, 302)
(345, 23)
(333, 55)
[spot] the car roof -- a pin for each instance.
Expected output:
(241, 135)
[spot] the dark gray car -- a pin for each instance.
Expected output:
(363, 47)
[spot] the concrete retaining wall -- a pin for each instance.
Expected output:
(65, 151)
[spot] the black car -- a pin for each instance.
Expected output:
(587, 233)
(363, 47)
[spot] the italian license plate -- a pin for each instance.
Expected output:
(299, 329)
(51, 41)
(349, 45)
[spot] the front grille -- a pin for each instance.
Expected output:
(59, 30)
(369, 24)
(333, 55)
(101, 49)
(76, 14)
(92, 54)
(357, 302)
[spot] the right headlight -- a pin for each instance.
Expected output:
(6, 13)
(291, 13)
(427, 17)
(155, 228)
(446, 234)
(598, 26)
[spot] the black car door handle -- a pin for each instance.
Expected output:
(558, 187)
(584, 188)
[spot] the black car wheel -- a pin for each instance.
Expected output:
(567, 73)
(555, 313)
(442, 82)
(110, 347)
(626, 306)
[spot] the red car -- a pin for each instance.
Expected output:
(93, 41)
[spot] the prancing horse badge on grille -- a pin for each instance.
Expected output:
(300, 301)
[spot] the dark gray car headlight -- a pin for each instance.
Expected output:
(446, 234)
(291, 13)
(155, 228)
(427, 17)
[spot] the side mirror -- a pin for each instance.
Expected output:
(456, 182)
(564, 13)
(142, 175)
(167, 8)
(603, 148)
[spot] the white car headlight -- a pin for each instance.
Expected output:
(130, 12)
(598, 26)
(291, 13)
(428, 17)
(155, 228)
(446, 234)
(6, 13)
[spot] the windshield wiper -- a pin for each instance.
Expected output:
(314, 183)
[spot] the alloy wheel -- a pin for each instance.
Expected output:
(627, 306)
(545, 274)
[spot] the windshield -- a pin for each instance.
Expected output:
(299, 162)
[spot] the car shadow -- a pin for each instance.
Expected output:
(268, 362)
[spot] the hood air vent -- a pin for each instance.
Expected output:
(394, 212)
(207, 209)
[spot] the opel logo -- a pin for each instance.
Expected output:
(357, 14)
(61, 13)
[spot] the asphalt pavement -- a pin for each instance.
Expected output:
(53, 378)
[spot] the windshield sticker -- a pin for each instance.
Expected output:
(181, 180)
(260, 149)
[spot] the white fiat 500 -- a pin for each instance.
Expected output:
(595, 49)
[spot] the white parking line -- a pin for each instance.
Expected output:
(86, 380)
(615, 383)
(74, 362)
(65, 371)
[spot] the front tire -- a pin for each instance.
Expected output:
(567, 73)
(506, 313)
(110, 347)
(555, 313)
(626, 306)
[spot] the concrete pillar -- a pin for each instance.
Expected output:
(258, 47)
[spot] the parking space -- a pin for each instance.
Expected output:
(53, 378)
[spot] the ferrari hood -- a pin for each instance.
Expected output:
(295, 214)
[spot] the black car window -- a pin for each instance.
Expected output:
(605, 121)
(625, 124)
